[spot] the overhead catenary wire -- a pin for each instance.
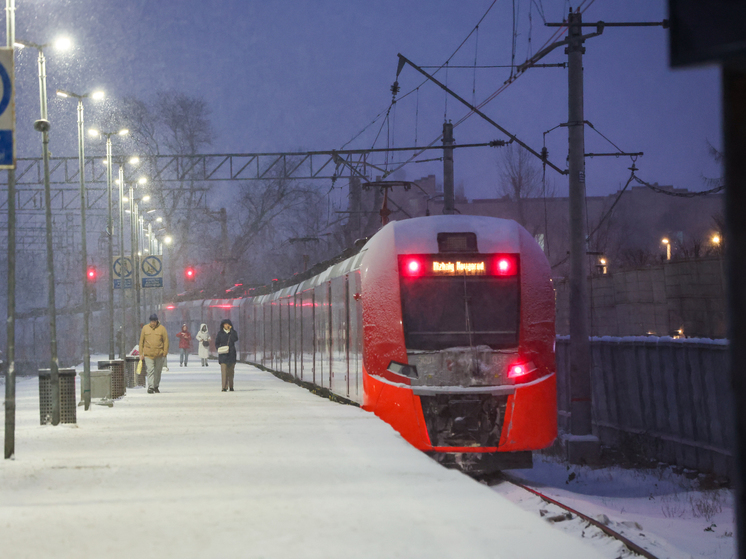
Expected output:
(659, 190)
(559, 32)
(416, 89)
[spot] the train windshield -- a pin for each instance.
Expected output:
(441, 311)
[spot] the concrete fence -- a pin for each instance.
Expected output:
(684, 295)
(669, 399)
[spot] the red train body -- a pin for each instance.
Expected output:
(442, 326)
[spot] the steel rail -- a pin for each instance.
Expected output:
(605, 529)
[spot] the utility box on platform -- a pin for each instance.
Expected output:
(101, 384)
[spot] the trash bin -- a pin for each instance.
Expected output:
(67, 396)
(130, 363)
(118, 381)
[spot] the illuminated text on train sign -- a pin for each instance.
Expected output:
(462, 268)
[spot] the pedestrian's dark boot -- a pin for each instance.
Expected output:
(151, 391)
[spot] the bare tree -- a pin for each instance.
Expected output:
(520, 177)
(173, 123)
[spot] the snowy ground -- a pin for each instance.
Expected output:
(267, 471)
(665, 513)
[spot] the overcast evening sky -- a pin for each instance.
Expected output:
(285, 75)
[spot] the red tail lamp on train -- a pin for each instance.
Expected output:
(505, 266)
(413, 267)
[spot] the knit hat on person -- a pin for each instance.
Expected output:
(153, 317)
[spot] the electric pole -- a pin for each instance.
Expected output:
(448, 195)
(588, 448)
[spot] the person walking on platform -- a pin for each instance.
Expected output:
(225, 343)
(203, 339)
(185, 344)
(153, 350)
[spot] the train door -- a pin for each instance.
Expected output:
(263, 331)
(355, 321)
(290, 325)
(297, 334)
(308, 336)
(321, 332)
(338, 335)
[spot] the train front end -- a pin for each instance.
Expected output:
(458, 318)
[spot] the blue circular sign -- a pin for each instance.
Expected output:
(151, 266)
(7, 89)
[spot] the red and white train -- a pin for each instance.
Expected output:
(442, 326)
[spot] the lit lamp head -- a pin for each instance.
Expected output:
(63, 44)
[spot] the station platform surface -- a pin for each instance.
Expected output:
(269, 470)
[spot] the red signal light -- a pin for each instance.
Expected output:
(189, 273)
(505, 266)
(413, 267)
(91, 274)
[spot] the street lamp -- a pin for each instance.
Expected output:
(134, 245)
(666, 242)
(97, 95)
(42, 125)
(109, 225)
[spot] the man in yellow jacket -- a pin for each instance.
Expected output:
(153, 349)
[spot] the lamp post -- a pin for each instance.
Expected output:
(666, 242)
(97, 95)
(134, 246)
(109, 227)
(42, 125)
(122, 266)
(10, 374)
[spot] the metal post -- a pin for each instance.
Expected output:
(110, 232)
(448, 193)
(84, 258)
(10, 374)
(43, 126)
(138, 250)
(579, 450)
(734, 135)
(123, 267)
(133, 257)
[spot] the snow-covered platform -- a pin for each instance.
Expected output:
(269, 470)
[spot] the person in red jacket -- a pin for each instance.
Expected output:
(185, 344)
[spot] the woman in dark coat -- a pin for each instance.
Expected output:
(226, 338)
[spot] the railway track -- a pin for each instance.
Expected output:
(569, 514)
